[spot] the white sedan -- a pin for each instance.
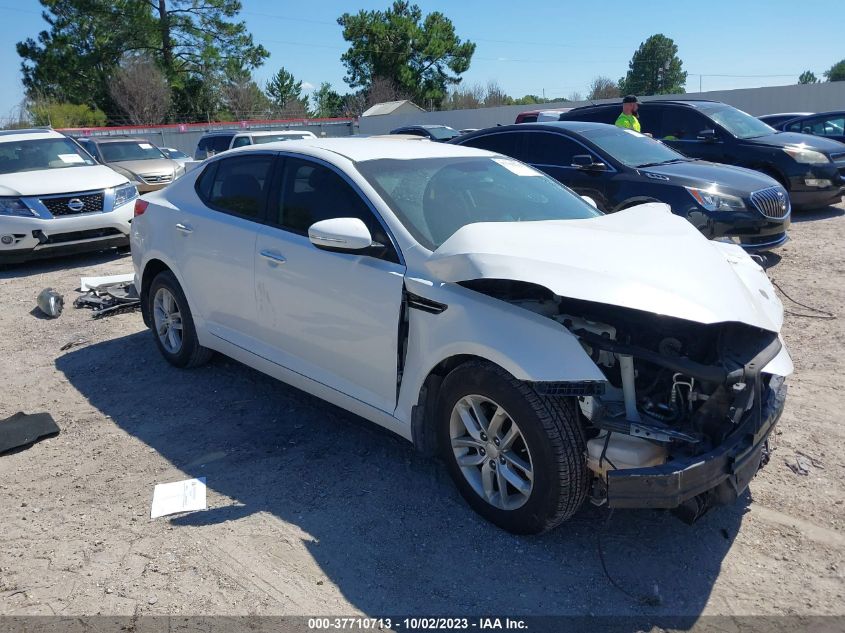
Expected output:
(547, 352)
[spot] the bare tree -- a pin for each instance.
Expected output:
(603, 88)
(141, 90)
(244, 99)
(575, 96)
(495, 96)
(383, 89)
(465, 98)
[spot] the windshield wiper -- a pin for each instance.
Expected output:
(663, 162)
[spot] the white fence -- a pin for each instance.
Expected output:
(797, 98)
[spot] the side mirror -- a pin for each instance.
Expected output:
(590, 201)
(585, 161)
(708, 136)
(340, 234)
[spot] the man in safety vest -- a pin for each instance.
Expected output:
(628, 118)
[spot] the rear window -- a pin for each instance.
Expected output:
(237, 185)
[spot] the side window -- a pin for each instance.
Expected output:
(220, 143)
(240, 141)
(681, 124)
(202, 146)
(542, 148)
(311, 192)
(821, 126)
(237, 185)
(414, 132)
(506, 143)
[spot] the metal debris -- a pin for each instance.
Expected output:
(50, 302)
(109, 299)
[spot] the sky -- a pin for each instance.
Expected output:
(551, 48)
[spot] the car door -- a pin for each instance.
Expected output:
(330, 316)
(680, 128)
(218, 234)
(829, 126)
(554, 153)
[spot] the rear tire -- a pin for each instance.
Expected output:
(540, 465)
(172, 324)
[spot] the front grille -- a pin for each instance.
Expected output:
(151, 179)
(772, 202)
(839, 160)
(75, 236)
(82, 203)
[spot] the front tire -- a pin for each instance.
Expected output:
(172, 324)
(515, 456)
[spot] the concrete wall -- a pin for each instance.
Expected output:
(187, 141)
(797, 98)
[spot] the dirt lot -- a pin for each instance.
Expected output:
(313, 511)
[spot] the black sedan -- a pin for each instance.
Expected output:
(620, 168)
(827, 124)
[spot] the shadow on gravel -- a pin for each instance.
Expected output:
(817, 214)
(388, 527)
(42, 266)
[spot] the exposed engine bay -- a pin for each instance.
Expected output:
(675, 389)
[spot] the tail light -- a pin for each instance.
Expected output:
(140, 207)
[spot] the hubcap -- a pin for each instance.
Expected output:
(491, 452)
(168, 320)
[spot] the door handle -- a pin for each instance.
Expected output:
(184, 228)
(274, 257)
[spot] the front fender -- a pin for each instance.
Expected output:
(529, 346)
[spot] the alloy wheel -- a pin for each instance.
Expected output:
(168, 320)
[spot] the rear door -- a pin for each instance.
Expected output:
(330, 316)
(218, 235)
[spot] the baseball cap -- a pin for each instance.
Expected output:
(630, 99)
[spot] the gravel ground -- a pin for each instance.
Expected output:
(314, 511)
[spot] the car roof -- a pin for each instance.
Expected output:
(115, 139)
(10, 136)
(367, 148)
(270, 132)
(552, 126)
(815, 114)
(684, 102)
(792, 114)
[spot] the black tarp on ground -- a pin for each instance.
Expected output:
(24, 429)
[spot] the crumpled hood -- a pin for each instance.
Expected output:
(45, 182)
(642, 258)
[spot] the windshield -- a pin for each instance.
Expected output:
(260, 140)
(114, 152)
(48, 153)
(434, 197)
(737, 122)
(632, 148)
(442, 133)
(174, 153)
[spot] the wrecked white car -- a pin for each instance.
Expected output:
(548, 353)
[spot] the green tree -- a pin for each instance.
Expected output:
(193, 42)
(62, 115)
(807, 77)
(284, 91)
(423, 56)
(655, 69)
(836, 72)
(326, 102)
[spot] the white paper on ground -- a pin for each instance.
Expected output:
(178, 496)
(86, 283)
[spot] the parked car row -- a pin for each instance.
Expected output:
(827, 124)
(548, 352)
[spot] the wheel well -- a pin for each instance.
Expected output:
(774, 173)
(423, 431)
(153, 268)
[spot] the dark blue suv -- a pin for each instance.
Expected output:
(620, 168)
(811, 168)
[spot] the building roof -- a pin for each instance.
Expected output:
(389, 107)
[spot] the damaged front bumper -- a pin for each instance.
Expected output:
(717, 477)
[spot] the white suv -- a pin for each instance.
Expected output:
(55, 198)
(216, 142)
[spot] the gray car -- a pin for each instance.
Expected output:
(136, 158)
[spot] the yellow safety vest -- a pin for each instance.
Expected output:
(628, 121)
